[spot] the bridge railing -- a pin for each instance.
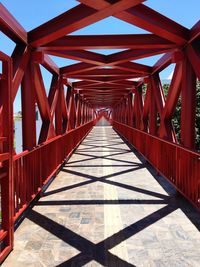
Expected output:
(33, 169)
(179, 165)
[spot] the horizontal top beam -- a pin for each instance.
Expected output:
(115, 41)
(102, 73)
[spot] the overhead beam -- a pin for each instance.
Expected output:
(163, 62)
(11, 27)
(195, 32)
(104, 81)
(128, 66)
(103, 95)
(103, 73)
(193, 54)
(84, 83)
(50, 65)
(167, 59)
(74, 19)
(104, 87)
(101, 90)
(77, 68)
(45, 61)
(115, 41)
(148, 19)
(80, 55)
(133, 54)
(136, 67)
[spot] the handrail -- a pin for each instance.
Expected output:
(33, 169)
(179, 165)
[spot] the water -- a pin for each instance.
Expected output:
(18, 134)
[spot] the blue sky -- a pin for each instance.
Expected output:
(33, 13)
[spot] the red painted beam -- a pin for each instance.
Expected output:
(133, 54)
(146, 109)
(10, 26)
(173, 94)
(104, 87)
(64, 106)
(58, 110)
(84, 84)
(50, 65)
(72, 20)
(20, 57)
(102, 91)
(152, 21)
(53, 93)
(80, 55)
(43, 59)
(113, 78)
(102, 96)
(167, 59)
(41, 94)
(123, 82)
(188, 105)
(77, 68)
(95, 91)
(158, 93)
(47, 130)
(134, 41)
(128, 66)
(28, 110)
(195, 32)
(102, 73)
(163, 62)
(138, 68)
(193, 54)
(148, 19)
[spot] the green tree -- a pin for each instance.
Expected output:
(177, 115)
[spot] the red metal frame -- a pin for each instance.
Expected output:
(6, 147)
(108, 85)
(179, 165)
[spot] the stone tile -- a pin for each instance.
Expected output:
(85, 220)
(33, 245)
(122, 213)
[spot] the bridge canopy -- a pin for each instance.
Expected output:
(108, 80)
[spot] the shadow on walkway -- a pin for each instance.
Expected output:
(135, 210)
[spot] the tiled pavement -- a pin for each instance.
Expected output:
(107, 207)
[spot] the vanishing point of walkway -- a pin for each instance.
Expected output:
(108, 207)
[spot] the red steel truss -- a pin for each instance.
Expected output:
(109, 85)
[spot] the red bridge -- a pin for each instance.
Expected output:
(113, 200)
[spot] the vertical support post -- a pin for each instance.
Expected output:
(58, 110)
(6, 170)
(139, 107)
(188, 105)
(68, 101)
(79, 107)
(146, 108)
(71, 109)
(153, 113)
(82, 112)
(130, 110)
(28, 110)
